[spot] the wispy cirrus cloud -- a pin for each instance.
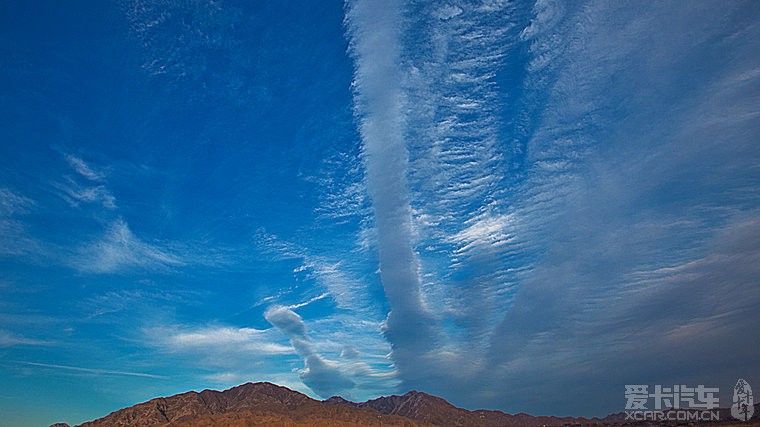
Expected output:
(220, 351)
(119, 249)
(10, 339)
(14, 236)
(88, 186)
(171, 34)
(76, 194)
(91, 371)
(84, 169)
(146, 296)
(348, 290)
(12, 203)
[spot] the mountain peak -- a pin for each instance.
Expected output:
(337, 400)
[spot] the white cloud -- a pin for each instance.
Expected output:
(221, 348)
(93, 190)
(15, 239)
(348, 291)
(76, 194)
(323, 376)
(375, 45)
(9, 339)
(119, 249)
(12, 203)
(447, 12)
(84, 169)
(248, 339)
(310, 301)
(452, 120)
(286, 320)
(489, 231)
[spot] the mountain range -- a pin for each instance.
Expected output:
(267, 404)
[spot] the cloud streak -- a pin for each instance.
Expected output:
(14, 238)
(251, 339)
(84, 169)
(93, 190)
(375, 30)
(119, 249)
(93, 371)
(9, 339)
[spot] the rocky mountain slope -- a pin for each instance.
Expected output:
(437, 411)
(266, 404)
(259, 404)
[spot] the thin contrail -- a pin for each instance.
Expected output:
(94, 371)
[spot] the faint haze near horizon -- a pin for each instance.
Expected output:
(513, 205)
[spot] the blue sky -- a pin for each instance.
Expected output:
(513, 205)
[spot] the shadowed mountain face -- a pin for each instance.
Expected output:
(266, 404)
(437, 411)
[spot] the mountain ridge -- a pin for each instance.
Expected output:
(265, 403)
(268, 404)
